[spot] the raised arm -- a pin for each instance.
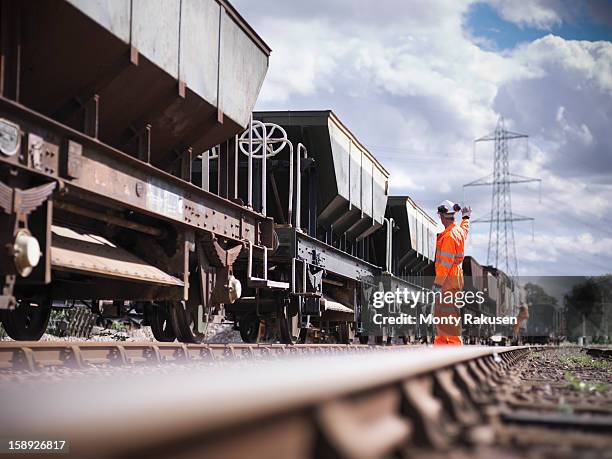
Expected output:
(465, 226)
(466, 213)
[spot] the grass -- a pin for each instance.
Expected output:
(586, 361)
(578, 385)
(563, 407)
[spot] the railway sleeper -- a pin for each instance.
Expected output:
(424, 412)
(430, 410)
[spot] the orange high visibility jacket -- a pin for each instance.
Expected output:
(449, 255)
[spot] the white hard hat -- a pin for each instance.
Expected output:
(448, 207)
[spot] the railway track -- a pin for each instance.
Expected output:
(599, 352)
(340, 401)
(37, 355)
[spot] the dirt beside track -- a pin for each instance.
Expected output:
(556, 403)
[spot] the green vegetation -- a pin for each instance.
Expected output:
(537, 295)
(586, 361)
(575, 383)
(119, 326)
(112, 333)
(563, 407)
(587, 310)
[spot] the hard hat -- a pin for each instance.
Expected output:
(448, 207)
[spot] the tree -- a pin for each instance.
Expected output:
(586, 306)
(537, 295)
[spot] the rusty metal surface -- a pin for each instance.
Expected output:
(372, 404)
(80, 251)
(113, 176)
(352, 402)
(109, 218)
(36, 355)
(15, 200)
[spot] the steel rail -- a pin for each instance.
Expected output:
(37, 355)
(366, 405)
(603, 352)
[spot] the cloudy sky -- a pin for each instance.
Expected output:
(418, 81)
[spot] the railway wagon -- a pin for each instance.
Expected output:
(503, 299)
(501, 290)
(327, 194)
(102, 106)
(543, 325)
(410, 242)
(414, 241)
(475, 280)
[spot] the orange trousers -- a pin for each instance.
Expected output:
(447, 335)
(448, 341)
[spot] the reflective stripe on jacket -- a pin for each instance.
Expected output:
(450, 246)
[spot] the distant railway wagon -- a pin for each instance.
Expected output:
(414, 238)
(410, 239)
(475, 280)
(544, 324)
(473, 274)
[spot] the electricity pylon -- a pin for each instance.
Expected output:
(501, 252)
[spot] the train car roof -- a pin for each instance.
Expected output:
(403, 198)
(319, 118)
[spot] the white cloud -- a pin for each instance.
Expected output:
(565, 103)
(401, 180)
(409, 76)
(298, 68)
(543, 14)
(548, 14)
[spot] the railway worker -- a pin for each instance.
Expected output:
(522, 316)
(450, 245)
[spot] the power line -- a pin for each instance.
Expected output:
(411, 152)
(501, 251)
(579, 220)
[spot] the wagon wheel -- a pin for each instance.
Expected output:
(251, 328)
(26, 322)
(160, 320)
(185, 322)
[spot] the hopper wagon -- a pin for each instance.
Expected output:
(475, 280)
(409, 240)
(327, 194)
(103, 107)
